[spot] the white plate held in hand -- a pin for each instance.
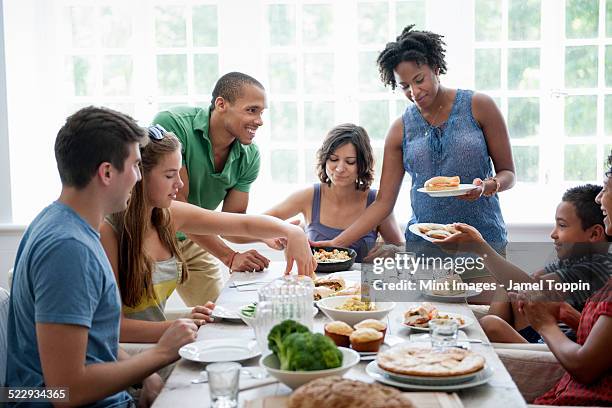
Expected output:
(460, 190)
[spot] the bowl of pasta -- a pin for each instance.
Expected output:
(333, 259)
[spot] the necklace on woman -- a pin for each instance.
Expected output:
(432, 124)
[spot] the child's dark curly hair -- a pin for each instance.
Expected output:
(422, 47)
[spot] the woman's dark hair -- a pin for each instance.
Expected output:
(609, 172)
(339, 136)
(422, 47)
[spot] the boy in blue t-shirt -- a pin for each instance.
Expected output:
(64, 314)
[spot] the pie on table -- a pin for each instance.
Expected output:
(426, 362)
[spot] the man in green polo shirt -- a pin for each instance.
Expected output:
(220, 162)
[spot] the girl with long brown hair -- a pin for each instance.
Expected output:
(141, 245)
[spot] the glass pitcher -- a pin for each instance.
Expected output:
(289, 297)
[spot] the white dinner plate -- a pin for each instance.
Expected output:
(468, 321)
(414, 228)
(460, 190)
(220, 312)
(482, 377)
(215, 351)
(451, 298)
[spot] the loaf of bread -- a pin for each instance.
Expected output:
(339, 392)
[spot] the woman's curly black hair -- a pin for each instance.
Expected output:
(422, 47)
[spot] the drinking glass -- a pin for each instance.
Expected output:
(223, 379)
(443, 333)
(290, 297)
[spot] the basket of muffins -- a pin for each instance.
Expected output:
(366, 337)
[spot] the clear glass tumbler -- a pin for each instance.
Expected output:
(290, 297)
(223, 380)
(443, 333)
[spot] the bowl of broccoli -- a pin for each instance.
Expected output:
(299, 356)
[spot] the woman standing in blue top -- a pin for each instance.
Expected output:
(445, 132)
(345, 167)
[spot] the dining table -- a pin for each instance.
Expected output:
(241, 288)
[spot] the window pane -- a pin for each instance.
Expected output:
(524, 20)
(606, 153)
(167, 105)
(581, 18)
(488, 69)
(205, 72)
(526, 162)
(204, 20)
(581, 67)
(318, 119)
(488, 20)
(117, 75)
(369, 78)
(609, 66)
(581, 115)
(372, 22)
(281, 22)
(378, 161)
(523, 68)
(172, 74)
(317, 22)
(284, 166)
(609, 18)
(409, 12)
(83, 22)
(121, 107)
(523, 117)
(170, 28)
(310, 166)
(116, 26)
(400, 107)
(83, 75)
(281, 73)
(608, 115)
(319, 73)
(283, 118)
(580, 163)
(374, 117)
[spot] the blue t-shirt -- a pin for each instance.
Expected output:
(62, 275)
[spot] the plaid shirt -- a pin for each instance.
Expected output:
(570, 392)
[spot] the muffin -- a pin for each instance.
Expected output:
(366, 339)
(373, 324)
(339, 332)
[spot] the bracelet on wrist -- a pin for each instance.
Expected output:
(497, 186)
(231, 260)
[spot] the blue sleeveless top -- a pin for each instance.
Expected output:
(319, 232)
(456, 148)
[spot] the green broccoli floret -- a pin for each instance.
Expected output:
(308, 352)
(279, 332)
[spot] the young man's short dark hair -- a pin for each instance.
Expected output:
(229, 87)
(90, 137)
(583, 199)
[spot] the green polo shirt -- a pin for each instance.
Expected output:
(207, 189)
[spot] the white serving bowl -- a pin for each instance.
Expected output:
(293, 379)
(328, 306)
